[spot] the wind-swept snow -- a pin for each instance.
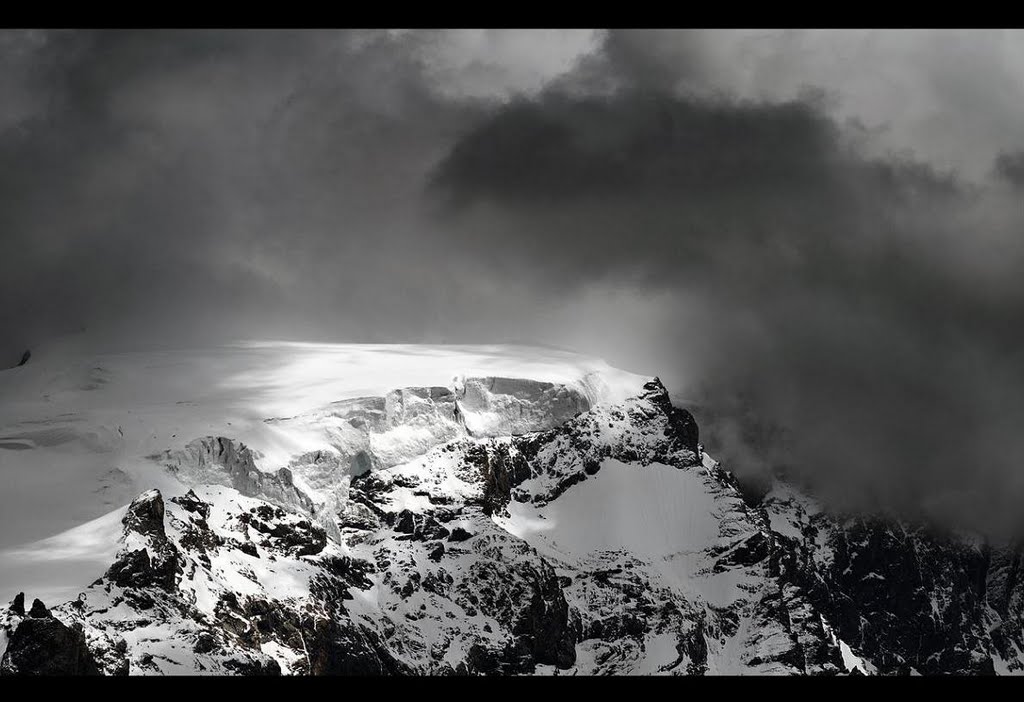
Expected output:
(78, 430)
(57, 568)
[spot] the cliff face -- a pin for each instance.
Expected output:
(908, 600)
(513, 527)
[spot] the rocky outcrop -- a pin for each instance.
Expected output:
(338, 648)
(902, 597)
(299, 537)
(682, 427)
(148, 558)
(39, 644)
(454, 590)
(471, 557)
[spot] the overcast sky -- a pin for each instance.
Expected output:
(813, 232)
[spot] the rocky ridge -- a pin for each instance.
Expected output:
(459, 531)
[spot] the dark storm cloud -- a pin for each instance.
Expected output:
(854, 318)
(218, 181)
(1010, 167)
(820, 306)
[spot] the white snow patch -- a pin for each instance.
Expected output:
(651, 511)
(851, 660)
(285, 657)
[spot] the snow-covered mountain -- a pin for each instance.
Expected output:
(321, 509)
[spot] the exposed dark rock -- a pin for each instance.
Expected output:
(500, 472)
(300, 537)
(421, 527)
(481, 660)
(752, 550)
(682, 426)
(17, 605)
(545, 625)
(348, 649)
(267, 667)
(233, 620)
(459, 534)
(156, 564)
(205, 642)
(138, 569)
(190, 502)
(146, 515)
(905, 598)
(350, 571)
(248, 548)
(358, 516)
(42, 645)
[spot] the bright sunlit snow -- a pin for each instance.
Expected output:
(76, 428)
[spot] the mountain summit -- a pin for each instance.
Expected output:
(513, 511)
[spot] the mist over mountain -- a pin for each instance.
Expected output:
(813, 231)
(285, 508)
(511, 352)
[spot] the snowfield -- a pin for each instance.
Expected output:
(284, 508)
(77, 429)
(602, 514)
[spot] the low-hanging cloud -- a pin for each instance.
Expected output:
(217, 183)
(846, 316)
(706, 206)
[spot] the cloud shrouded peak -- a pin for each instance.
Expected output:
(849, 298)
(810, 230)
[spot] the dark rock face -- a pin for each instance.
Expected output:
(197, 536)
(254, 668)
(549, 631)
(191, 502)
(17, 605)
(339, 649)
(137, 569)
(42, 645)
(419, 527)
(906, 598)
(300, 537)
(24, 358)
(146, 515)
(911, 600)
(459, 534)
(682, 426)
(501, 471)
(156, 564)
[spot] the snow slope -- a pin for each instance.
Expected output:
(657, 511)
(337, 509)
(78, 429)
